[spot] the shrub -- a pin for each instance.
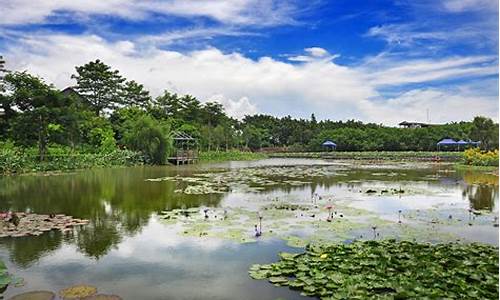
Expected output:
(476, 157)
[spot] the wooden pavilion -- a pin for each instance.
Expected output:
(186, 151)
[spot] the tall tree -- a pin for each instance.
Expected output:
(99, 85)
(40, 106)
(134, 94)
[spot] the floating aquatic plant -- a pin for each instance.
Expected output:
(36, 224)
(78, 292)
(388, 270)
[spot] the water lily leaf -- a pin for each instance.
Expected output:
(78, 291)
(35, 295)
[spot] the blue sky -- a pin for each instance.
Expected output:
(377, 61)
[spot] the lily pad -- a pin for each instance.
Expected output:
(77, 291)
(35, 295)
(388, 269)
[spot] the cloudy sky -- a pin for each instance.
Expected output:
(377, 61)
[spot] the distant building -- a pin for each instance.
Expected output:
(406, 124)
(69, 91)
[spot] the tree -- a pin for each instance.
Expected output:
(40, 106)
(5, 107)
(486, 131)
(134, 94)
(99, 85)
(150, 137)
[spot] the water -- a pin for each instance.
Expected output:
(126, 250)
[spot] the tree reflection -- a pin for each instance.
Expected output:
(117, 202)
(25, 251)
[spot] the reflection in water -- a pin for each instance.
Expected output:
(119, 204)
(481, 189)
(26, 250)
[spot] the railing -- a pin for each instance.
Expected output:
(186, 154)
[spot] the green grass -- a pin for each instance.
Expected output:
(464, 167)
(209, 156)
(375, 155)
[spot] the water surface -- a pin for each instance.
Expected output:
(126, 250)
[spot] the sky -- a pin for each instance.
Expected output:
(375, 61)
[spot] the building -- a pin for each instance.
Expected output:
(406, 124)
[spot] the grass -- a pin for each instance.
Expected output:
(464, 167)
(377, 155)
(211, 156)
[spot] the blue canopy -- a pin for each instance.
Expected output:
(462, 142)
(329, 144)
(446, 142)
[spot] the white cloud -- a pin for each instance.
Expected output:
(236, 108)
(313, 54)
(393, 71)
(470, 5)
(443, 106)
(316, 51)
(200, 33)
(247, 12)
(245, 86)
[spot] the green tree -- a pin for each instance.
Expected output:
(486, 131)
(150, 137)
(134, 94)
(99, 85)
(40, 106)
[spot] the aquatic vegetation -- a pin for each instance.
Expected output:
(35, 295)
(25, 224)
(387, 270)
(373, 155)
(7, 279)
(78, 292)
(74, 292)
(247, 179)
(17, 161)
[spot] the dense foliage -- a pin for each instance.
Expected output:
(25, 160)
(388, 270)
(477, 157)
(104, 112)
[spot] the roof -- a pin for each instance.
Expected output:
(447, 142)
(329, 143)
(181, 136)
(406, 123)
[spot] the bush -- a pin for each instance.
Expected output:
(21, 160)
(476, 157)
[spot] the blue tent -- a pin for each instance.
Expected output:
(447, 142)
(329, 144)
(462, 143)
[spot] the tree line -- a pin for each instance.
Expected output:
(104, 111)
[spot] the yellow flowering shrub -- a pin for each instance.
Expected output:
(476, 157)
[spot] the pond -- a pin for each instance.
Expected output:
(188, 232)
